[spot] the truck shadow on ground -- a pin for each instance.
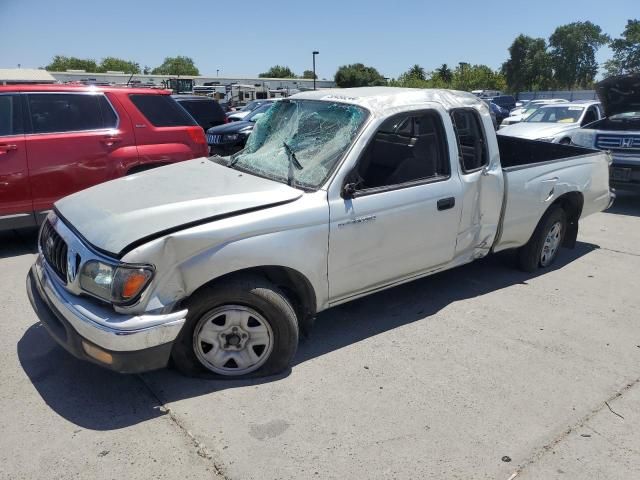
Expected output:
(626, 203)
(14, 243)
(97, 399)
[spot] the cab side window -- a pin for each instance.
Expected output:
(56, 112)
(406, 148)
(10, 115)
(472, 145)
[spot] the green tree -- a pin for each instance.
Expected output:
(415, 77)
(118, 64)
(278, 71)
(417, 72)
(146, 70)
(358, 75)
(529, 65)
(468, 77)
(626, 51)
(176, 66)
(443, 74)
(309, 74)
(60, 63)
(573, 53)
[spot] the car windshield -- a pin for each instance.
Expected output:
(314, 134)
(560, 114)
(250, 107)
(528, 110)
(253, 116)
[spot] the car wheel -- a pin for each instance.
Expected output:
(542, 248)
(243, 328)
(565, 141)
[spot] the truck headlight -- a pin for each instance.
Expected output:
(117, 284)
(584, 138)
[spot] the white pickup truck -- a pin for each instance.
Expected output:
(216, 264)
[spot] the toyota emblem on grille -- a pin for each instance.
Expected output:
(626, 143)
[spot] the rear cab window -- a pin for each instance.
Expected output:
(472, 145)
(162, 110)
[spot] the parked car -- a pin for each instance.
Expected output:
(518, 114)
(231, 138)
(206, 111)
(58, 139)
(248, 108)
(619, 131)
(555, 123)
(507, 102)
(497, 112)
(338, 194)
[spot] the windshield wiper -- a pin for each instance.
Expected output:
(293, 162)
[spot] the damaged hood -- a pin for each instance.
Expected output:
(114, 215)
(534, 131)
(619, 94)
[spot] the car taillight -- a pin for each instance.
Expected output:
(197, 135)
(226, 119)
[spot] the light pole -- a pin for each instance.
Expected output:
(315, 52)
(217, 72)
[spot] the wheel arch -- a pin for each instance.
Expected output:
(294, 284)
(571, 203)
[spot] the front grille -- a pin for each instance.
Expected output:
(214, 139)
(618, 142)
(54, 250)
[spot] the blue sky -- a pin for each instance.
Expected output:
(246, 37)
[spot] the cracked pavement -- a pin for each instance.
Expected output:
(440, 378)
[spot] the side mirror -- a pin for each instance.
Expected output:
(349, 191)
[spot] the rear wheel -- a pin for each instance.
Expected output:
(542, 248)
(243, 328)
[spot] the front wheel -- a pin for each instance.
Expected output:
(243, 328)
(542, 248)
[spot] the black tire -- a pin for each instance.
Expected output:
(529, 256)
(565, 141)
(251, 291)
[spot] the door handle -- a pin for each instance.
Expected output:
(446, 203)
(7, 147)
(110, 140)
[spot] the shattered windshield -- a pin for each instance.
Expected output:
(310, 135)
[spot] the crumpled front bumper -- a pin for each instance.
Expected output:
(96, 333)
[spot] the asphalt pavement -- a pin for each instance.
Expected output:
(482, 372)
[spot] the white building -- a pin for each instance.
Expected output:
(123, 78)
(9, 76)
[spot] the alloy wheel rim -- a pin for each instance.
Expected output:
(551, 244)
(232, 340)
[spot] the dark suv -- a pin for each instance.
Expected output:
(505, 101)
(206, 111)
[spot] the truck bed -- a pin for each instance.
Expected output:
(536, 174)
(520, 152)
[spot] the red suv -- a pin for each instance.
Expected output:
(58, 139)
